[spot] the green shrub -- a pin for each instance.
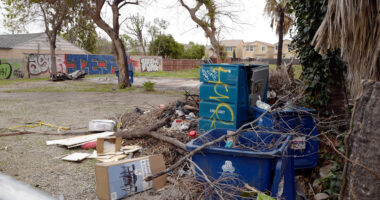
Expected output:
(149, 86)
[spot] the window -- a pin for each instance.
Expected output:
(288, 47)
(263, 48)
(228, 49)
(276, 47)
(249, 48)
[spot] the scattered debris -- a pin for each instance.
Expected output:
(75, 157)
(193, 134)
(89, 145)
(78, 74)
(325, 170)
(321, 196)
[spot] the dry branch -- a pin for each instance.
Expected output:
(148, 132)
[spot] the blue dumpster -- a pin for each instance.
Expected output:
(226, 92)
(305, 143)
(259, 159)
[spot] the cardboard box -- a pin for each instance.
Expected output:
(106, 145)
(116, 180)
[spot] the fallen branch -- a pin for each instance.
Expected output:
(15, 133)
(148, 132)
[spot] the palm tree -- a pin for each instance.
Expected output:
(354, 27)
(281, 19)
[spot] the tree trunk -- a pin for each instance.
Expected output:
(280, 39)
(362, 172)
(217, 48)
(141, 39)
(121, 60)
(53, 59)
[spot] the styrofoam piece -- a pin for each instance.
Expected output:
(101, 125)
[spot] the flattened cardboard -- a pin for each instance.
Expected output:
(108, 187)
(100, 147)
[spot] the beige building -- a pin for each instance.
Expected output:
(286, 52)
(258, 49)
(18, 45)
(231, 46)
(26, 55)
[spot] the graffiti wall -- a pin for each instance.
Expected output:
(147, 63)
(11, 68)
(39, 65)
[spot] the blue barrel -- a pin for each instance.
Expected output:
(305, 144)
(264, 168)
(130, 76)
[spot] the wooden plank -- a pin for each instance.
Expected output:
(79, 139)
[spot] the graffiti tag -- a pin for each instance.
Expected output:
(5, 70)
(220, 98)
(150, 64)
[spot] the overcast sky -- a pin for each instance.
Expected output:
(251, 23)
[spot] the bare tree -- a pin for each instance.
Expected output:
(54, 13)
(94, 9)
(207, 19)
(135, 27)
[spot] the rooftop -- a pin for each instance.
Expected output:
(9, 41)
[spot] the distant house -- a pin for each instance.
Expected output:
(258, 49)
(286, 52)
(18, 45)
(231, 46)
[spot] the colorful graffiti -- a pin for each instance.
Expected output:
(5, 70)
(41, 63)
(10, 68)
(150, 64)
(220, 98)
(91, 64)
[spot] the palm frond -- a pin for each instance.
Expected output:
(354, 27)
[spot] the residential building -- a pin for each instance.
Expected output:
(286, 52)
(231, 46)
(258, 49)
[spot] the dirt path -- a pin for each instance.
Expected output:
(28, 159)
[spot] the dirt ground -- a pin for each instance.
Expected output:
(28, 159)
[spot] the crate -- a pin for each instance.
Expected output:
(305, 145)
(267, 167)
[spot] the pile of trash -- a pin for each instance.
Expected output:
(181, 123)
(60, 76)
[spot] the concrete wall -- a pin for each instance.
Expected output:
(180, 64)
